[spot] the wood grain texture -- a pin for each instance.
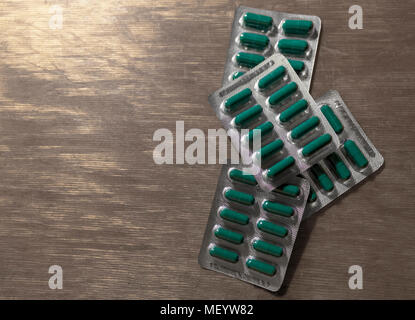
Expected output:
(78, 184)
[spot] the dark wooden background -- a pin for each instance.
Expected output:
(78, 184)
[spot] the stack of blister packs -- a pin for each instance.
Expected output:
(298, 153)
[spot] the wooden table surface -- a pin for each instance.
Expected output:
(78, 184)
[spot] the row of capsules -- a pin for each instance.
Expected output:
(261, 256)
(257, 34)
(251, 233)
(271, 99)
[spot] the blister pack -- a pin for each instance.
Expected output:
(257, 34)
(271, 106)
(250, 233)
(355, 160)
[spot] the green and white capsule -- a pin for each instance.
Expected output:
(280, 166)
(271, 148)
(268, 248)
(272, 228)
(297, 65)
(305, 127)
(257, 21)
(247, 116)
(243, 177)
(224, 254)
(354, 153)
(312, 196)
(278, 208)
(283, 93)
(254, 40)
(316, 144)
(289, 190)
(263, 129)
(248, 60)
(297, 27)
(339, 166)
(293, 110)
(260, 266)
(332, 118)
(229, 235)
(323, 179)
(240, 197)
(271, 77)
(292, 46)
(234, 216)
(234, 102)
(237, 74)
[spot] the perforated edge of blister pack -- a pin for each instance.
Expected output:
(246, 259)
(358, 171)
(274, 34)
(321, 135)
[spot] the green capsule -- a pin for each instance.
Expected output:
(241, 197)
(332, 118)
(339, 166)
(297, 65)
(301, 27)
(264, 129)
(240, 176)
(271, 77)
(316, 144)
(249, 60)
(254, 40)
(292, 46)
(280, 166)
(237, 74)
(271, 148)
(267, 248)
(233, 216)
(288, 190)
(312, 196)
(293, 110)
(248, 115)
(305, 127)
(355, 154)
(278, 208)
(224, 254)
(238, 99)
(323, 179)
(261, 267)
(272, 228)
(282, 93)
(229, 235)
(257, 21)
